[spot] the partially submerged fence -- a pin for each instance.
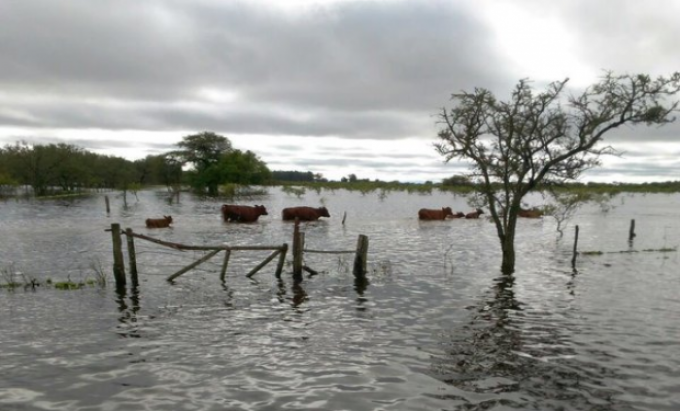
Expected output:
(360, 254)
(212, 250)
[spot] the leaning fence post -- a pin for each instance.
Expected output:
(225, 263)
(573, 258)
(194, 264)
(298, 244)
(118, 264)
(132, 257)
(282, 260)
(263, 263)
(361, 256)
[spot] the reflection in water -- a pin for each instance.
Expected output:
(228, 293)
(128, 312)
(299, 295)
(506, 352)
(360, 285)
(571, 284)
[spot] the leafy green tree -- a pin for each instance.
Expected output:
(6, 178)
(39, 165)
(159, 169)
(515, 146)
(457, 180)
(243, 167)
(71, 174)
(203, 151)
(216, 162)
(278, 175)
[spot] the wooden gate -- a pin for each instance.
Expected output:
(119, 266)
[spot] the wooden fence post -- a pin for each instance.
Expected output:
(108, 207)
(132, 257)
(118, 264)
(631, 231)
(361, 256)
(298, 245)
(282, 260)
(573, 258)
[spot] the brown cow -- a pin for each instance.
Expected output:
(159, 222)
(474, 214)
(530, 213)
(242, 214)
(304, 213)
(435, 214)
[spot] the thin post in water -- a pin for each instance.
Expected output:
(118, 264)
(360, 257)
(132, 257)
(298, 244)
(573, 258)
(631, 231)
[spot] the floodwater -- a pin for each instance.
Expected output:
(435, 328)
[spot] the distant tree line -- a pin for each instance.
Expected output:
(279, 176)
(203, 161)
(67, 168)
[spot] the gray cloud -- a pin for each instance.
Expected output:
(355, 70)
(358, 69)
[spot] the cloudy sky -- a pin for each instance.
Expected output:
(332, 87)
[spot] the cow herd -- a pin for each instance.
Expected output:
(250, 214)
(446, 212)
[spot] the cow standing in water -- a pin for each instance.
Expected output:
(435, 214)
(159, 222)
(474, 214)
(530, 213)
(304, 213)
(242, 214)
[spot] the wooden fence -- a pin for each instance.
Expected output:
(360, 254)
(280, 251)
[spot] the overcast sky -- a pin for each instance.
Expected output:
(332, 87)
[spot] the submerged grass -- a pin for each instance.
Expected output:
(11, 279)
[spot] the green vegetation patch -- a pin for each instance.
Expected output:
(68, 285)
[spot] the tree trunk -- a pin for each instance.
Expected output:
(508, 263)
(212, 190)
(508, 248)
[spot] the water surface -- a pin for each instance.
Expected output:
(435, 328)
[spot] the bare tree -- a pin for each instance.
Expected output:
(518, 145)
